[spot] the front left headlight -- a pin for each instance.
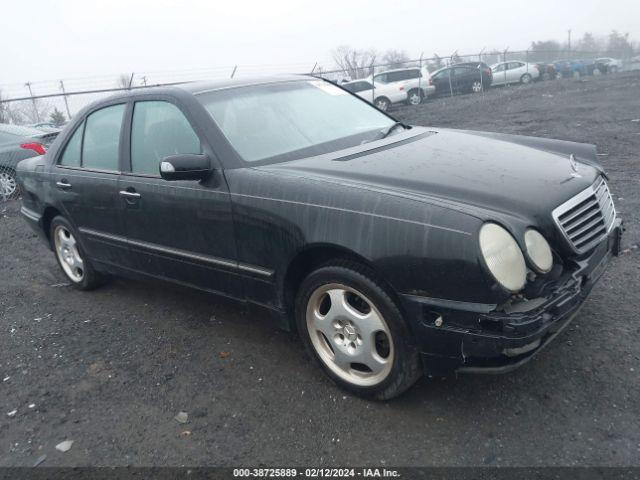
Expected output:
(538, 251)
(503, 257)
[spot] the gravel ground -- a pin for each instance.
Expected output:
(110, 369)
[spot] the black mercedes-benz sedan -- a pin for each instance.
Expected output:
(393, 250)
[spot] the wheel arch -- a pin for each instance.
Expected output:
(48, 215)
(315, 256)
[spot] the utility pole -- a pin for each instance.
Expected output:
(66, 103)
(35, 107)
(569, 41)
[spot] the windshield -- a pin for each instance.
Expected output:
(288, 120)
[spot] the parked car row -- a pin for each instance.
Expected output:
(402, 85)
(412, 85)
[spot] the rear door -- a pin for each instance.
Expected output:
(516, 70)
(177, 230)
(85, 177)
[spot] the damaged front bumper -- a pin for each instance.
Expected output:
(480, 338)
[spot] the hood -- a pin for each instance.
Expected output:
(515, 175)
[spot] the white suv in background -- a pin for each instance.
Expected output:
(382, 96)
(506, 73)
(414, 80)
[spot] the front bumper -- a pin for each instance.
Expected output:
(480, 338)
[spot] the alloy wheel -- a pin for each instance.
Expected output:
(415, 98)
(382, 105)
(68, 254)
(349, 334)
(8, 184)
(476, 87)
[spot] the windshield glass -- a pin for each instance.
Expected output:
(284, 121)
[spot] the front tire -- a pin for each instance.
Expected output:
(526, 79)
(354, 330)
(71, 257)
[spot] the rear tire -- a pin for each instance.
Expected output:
(414, 97)
(477, 87)
(526, 79)
(71, 258)
(382, 103)
(355, 332)
(9, 188)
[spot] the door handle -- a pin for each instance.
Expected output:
(63, 184)
(128, 194)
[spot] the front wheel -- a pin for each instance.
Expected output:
(71, 258)
(355, 331)
(382, 103)
(525, 79)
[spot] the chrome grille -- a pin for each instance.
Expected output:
(587, 218)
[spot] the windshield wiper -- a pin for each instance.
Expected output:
(387, 132)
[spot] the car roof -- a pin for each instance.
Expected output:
(199, 87)
(20, 130)
(399, 70)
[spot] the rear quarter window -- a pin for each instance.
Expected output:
(71, 155)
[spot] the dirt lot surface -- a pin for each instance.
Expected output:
(110, 369)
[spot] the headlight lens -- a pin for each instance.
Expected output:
(538, 250)
(503, 256)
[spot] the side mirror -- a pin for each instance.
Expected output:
(185, 167)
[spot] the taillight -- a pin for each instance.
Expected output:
(401, 88)
(430, 81)
(35, 146)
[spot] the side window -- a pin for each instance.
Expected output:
(71, 155)
(102, 138)
(382, 78)
(159, 129)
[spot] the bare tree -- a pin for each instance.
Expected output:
(395, 58)
(355, 63)
(619, 45)
(590, 44)
(124, 80)
(545, 51)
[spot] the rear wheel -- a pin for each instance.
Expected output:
(355, 331)
(526, 78)
(71, 258)
(382, 103)
(476, 86)
(8, 184)
(414, 97)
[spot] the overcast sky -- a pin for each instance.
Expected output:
(47, 40)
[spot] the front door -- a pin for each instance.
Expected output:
(177, 230)
(85, 177)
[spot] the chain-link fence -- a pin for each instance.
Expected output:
(33, 113)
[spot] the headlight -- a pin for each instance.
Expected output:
(538, 251)
(503, 256)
